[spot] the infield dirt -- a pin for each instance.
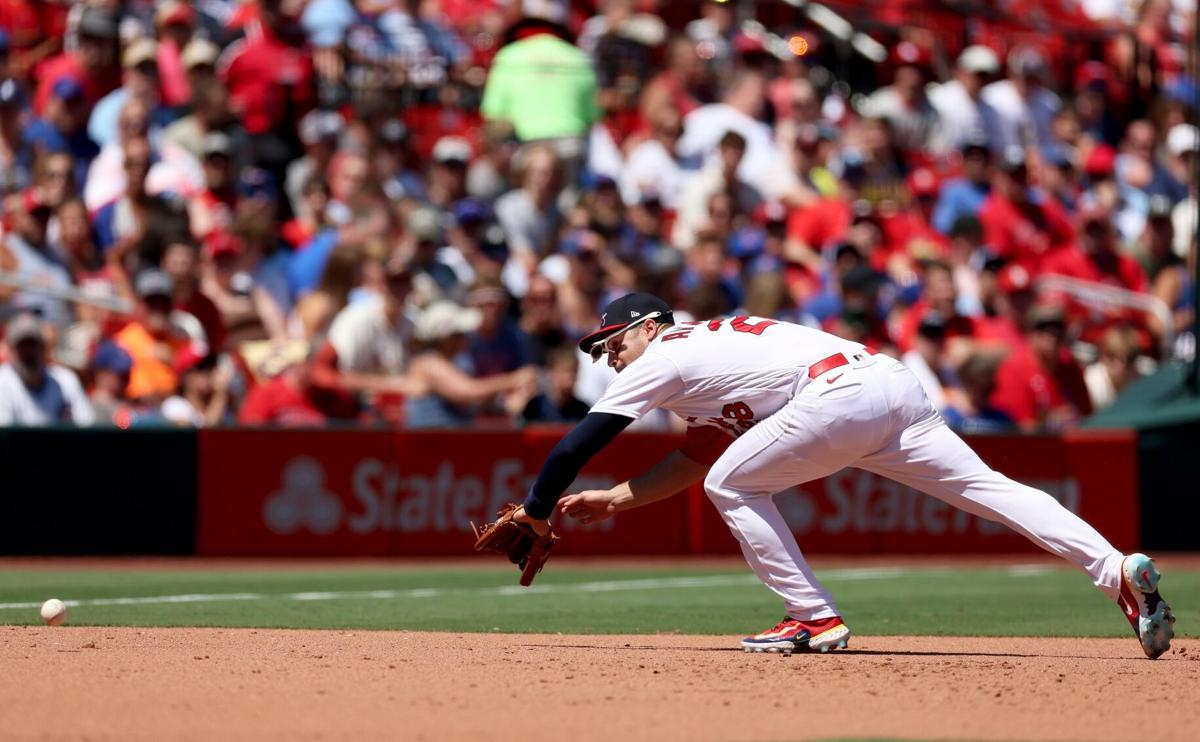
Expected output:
(98, 683)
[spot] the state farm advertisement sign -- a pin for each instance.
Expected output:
(388, 494)
(380, 494)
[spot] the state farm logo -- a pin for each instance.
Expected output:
(303, 501)
(380, 497)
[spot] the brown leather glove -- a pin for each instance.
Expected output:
(518, 541)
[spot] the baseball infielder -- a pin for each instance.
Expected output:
(770, 405)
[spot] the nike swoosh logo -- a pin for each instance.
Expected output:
(835, 378)
(1129, 610)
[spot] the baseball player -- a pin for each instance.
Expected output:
(770, 405)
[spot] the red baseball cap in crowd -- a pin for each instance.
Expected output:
(1101, 161)
(1013, 278)
(624, 314)
(219, 243)
(923, 182)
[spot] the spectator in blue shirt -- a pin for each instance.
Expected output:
(964, 196)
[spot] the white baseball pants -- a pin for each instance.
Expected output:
(874, 415)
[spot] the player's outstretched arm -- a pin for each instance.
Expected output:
(675, 473)
(571, 454)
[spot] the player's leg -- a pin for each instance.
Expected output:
(784, 450)
(926, 455)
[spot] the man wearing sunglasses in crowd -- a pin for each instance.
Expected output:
(771, 405)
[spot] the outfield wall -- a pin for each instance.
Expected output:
(380, 493)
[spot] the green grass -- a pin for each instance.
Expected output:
(967, 601)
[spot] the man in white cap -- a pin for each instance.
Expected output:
(1183, 144)
(962, 113)
(138, 80)
(34, 392)
(1026, 107)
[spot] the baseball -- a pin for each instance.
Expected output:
(54, 612)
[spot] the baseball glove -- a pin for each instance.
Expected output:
(523, 546)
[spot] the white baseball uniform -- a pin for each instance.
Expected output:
(793, 404)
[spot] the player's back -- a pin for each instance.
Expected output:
(752, 360)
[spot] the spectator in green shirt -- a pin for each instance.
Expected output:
(544, 85)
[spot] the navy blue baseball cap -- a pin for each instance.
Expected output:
(624, 314)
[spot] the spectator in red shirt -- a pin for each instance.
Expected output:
(287, 398)
(1019, 222)
(266, 75)
(1040, 385)
(1097, 258)
(173, 21)
(92, 63)
(937, 297)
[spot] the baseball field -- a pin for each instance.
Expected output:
(1010, 649)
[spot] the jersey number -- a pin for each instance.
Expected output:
(739, 324)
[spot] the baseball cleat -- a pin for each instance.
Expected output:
(791, 635)
(1148, 614)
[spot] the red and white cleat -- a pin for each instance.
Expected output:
(791, 635)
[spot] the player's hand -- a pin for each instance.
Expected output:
(591, 506)
(542, 527)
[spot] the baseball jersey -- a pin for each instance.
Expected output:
(726, 374)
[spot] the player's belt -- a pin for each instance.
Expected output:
(834, 361)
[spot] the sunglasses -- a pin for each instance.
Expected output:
(612, 344)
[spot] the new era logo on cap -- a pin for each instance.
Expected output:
(628, 310)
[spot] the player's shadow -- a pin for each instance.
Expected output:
(838, 653)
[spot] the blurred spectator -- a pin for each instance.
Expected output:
(541, 320)
(202, 399)
(173, 24)
(529, 214)
(970, 410)
(1024, 104)
(366, 350)
(156, 340)
(32, 261)
(721, 176)
(1115, 370)
(15, 163)
(319, 132)
(763, 166)
(286, 395)
(445, 369)
(963, 116)
(543, 85)
(912, 118)
(1040, 384)
(499, 345)
(681, 86)
(212, 209)
(180, 262)
(209, 115)
(63, 126)
(310, 214)
(655, 169)
(33, 391)
(91, 64)
(110, 368)
(964, 196)
(556, 402)
(76, 241)
(139, 80)
(1019, 222)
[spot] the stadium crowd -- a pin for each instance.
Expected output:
(392, 212)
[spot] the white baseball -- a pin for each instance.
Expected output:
(54, 612)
